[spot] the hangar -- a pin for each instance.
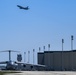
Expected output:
(58, 60)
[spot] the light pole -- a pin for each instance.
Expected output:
(39, 49)
(43, 48)
(48, 54)
(24, 56)
(28, 56)
(62, 43)
(62, 53)
(33, 55)
(72, 38)
(48, 47)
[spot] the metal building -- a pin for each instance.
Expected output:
(58, 60)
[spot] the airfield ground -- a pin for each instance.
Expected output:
(45, 73)
(8, 72)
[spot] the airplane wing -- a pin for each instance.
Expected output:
(30, 64)
(4, 62)
(40, 65)
(9, 51)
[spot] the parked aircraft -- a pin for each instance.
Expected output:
(21, 7)
(18, 65)
(10, 65)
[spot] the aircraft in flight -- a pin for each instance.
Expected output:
(21, 7)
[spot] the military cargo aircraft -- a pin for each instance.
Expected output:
(18, 65)
(10, 65)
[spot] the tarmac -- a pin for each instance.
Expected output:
(45, 73)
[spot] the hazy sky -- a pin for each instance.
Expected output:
(46, 22)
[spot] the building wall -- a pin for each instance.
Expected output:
(70, 60)
(51, 64)
(57, 61)
(48, 59)
(65, 61)
(74, 60)
(41, 58)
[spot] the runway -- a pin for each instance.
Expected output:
(45, 73)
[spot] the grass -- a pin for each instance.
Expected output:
(4, 72)
(1, 73)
